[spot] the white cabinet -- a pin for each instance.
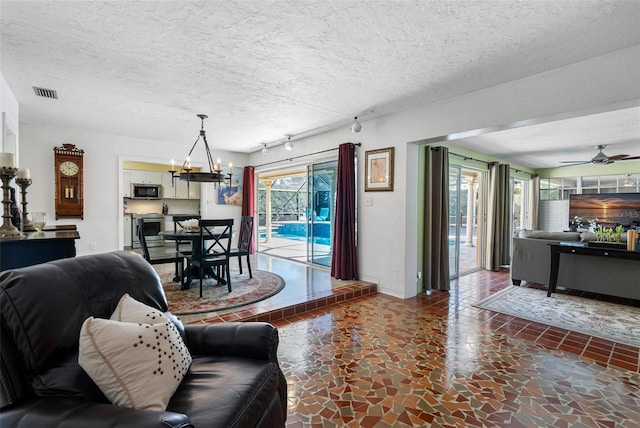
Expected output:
(126, 184)
(127, 230)
(178, 189)
(145, 177)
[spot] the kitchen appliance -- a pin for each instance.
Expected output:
(153, 226)
(146, 191)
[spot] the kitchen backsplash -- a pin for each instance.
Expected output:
(175, 206)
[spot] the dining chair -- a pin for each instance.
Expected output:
(157, 258)
(244, 242)
(178, 224)
(215, 241)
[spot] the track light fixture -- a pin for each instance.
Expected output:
(288, 145)
(265, 150)
(355, 126)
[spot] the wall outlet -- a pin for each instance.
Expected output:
(92, 246)
(368, 201)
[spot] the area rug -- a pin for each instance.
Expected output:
(618, 323)
(244, 291)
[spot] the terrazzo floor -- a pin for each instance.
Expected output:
(435, 360)
(378, 361)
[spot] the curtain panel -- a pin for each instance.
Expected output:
(436, 220)
(498, 216)
(249, 199)
(534, 202)
(344, 261)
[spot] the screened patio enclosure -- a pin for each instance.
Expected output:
(296, 209)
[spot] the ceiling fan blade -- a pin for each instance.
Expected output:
(617, 157)
(630, 157)
(575, 162)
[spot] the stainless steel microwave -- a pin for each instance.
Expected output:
(146, 191)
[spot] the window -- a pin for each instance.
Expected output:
(561, 188)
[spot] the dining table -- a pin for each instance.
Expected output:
(196, 252)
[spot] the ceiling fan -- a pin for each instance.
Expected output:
(602, 159)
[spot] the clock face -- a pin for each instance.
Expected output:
(69, 168)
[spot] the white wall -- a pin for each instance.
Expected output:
(101, 228)
(554, 215)
(9, 133)
(387, 229)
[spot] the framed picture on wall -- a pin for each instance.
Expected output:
(230, 193)
(378, 170)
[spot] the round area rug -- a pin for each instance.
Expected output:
(215, 297)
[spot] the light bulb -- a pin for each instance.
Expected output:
(265, 150)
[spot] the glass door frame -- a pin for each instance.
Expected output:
(478, 224)
(317, 242)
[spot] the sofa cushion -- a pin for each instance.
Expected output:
(241, 387)
(552, 236)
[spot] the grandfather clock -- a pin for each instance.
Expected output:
(69, 181)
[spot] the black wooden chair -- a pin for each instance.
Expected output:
(157, 258)
(215, 241)
(178, 224)
(244, 243)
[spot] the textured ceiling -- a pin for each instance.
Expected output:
(263, 70)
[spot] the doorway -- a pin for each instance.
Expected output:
(466, 214)
(296, 211)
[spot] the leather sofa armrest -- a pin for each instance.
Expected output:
(54, 412)
(241, 339)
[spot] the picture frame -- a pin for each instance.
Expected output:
(230, 193)
(378, 170)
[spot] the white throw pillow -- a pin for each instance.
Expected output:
(130, 310)
(135, 364)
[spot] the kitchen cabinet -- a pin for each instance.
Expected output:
(127, 230)
(145, 177)
(126, 184)
(178, 189)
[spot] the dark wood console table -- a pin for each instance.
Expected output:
(34, 248)
(557, 249)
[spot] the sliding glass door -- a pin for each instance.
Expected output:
(297, 211)
(322, 201)
(465, 220)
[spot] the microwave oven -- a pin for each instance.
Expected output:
(146, 191)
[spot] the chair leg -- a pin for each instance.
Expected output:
(227, 268)
(240, 264)
(249, 266)
(201, 275)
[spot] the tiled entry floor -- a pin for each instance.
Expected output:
(436, 361)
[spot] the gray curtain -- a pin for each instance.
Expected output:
(498, 216)
(436, 219)
(534, 202)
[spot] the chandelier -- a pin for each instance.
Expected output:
(215, 174)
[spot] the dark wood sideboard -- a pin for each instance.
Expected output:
(52, 244)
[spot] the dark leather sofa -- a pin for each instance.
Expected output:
(234, 380)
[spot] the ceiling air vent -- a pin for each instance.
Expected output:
(46, 93)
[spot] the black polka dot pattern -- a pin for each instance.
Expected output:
(173, 357)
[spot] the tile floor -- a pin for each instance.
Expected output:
(434, 360)
(437, 361)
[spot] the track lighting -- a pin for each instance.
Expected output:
(265, 150)
(288, 145)
(355, 126)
